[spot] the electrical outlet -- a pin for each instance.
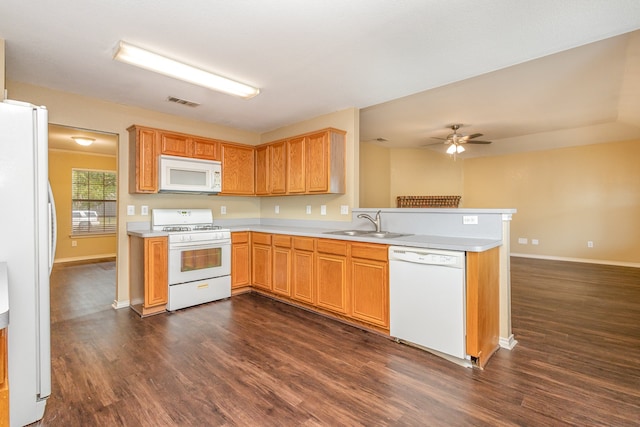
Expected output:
(277, 209)
(144, 210)
(131, 209)
(308, 209)
(323, 209)
(522, 240)
(344, 209)
(534, 241)
(223, 210)
(74, 243)
(469, 219)
(590, 244)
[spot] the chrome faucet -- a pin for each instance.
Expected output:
(375, 222)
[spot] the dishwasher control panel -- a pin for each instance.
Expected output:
(427, 256)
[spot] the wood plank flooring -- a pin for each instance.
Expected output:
(251, 361)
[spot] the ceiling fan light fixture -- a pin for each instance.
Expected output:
(83, 140)
(451, 149)
(459, 149)
(125, 52)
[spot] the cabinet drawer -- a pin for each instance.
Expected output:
(261, 238)
(281, 241)
(240, 237)
(303, 243)
(328, 246)
(370, 251)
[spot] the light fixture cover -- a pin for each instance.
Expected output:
(83, 140)
(142, 58)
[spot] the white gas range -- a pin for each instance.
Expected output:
(199, 256)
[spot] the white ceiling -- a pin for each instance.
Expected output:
(318, 56)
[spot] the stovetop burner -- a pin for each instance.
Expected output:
(174, 228)
(207, 227)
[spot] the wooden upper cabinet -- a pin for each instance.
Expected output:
(262, 170)
(278, 167)
(174, 144)
(325, 162)
(208, 149)
(296, 166)
(177, 144)
(237, 169)
(143, 160)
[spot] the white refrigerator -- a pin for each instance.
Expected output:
(27, 245)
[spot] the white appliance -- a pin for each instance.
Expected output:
(27, 245)
(199, 256)
(187, 175)
(427, 300)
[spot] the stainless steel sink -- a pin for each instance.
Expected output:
(365, 233)
(348, 232)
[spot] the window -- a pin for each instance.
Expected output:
(93, 200)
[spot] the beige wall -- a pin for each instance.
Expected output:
(2, 69)
(388, 173)
(60, 165)
(564, 198)
(90, 113)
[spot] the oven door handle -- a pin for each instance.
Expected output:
(190, 246)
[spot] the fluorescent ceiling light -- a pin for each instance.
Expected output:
(82, 140)
(134, 55)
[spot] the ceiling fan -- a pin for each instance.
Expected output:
(457, 139)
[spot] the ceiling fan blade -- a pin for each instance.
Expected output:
(478, 142)
(475, 135)
(442, 139)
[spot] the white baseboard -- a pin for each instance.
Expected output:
(584, 260)
(508, 343)
(117, 305)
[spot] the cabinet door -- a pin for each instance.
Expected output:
(262, 170)
(370, 291)
(261, 260)
(282, 270)
(143, 170)
(483, 304)
(302, 283)
(208, 149)
(278, 167)
(240, 260)
(317, 162)
(175, 144)
(296, 166)
(332, 275)
(156, 278)
(237, 169)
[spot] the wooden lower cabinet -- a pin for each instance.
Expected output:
(281, 274)
(148, 274)
(332, 278)
(302, 267)
(261, 261)
(483, 304)
(240, 260)
(370, 283)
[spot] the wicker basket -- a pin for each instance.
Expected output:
(428, 201)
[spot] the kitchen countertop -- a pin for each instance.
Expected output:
(417, 240)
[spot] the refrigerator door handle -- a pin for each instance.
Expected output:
(53, 234)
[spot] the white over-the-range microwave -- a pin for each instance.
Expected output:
(187, 175)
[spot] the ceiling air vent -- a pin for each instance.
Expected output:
(182, 101)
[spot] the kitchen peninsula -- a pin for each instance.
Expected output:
(272, 252)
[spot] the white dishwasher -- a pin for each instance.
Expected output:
(427, 302)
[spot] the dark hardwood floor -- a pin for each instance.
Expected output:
(251, 361)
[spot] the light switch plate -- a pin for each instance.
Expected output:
(223, 210)
(277, 209)
(308, 209)
(131, 209)
(344, 209)
(469, 219)
(523, 240)
(144, 210)
(323, 209)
